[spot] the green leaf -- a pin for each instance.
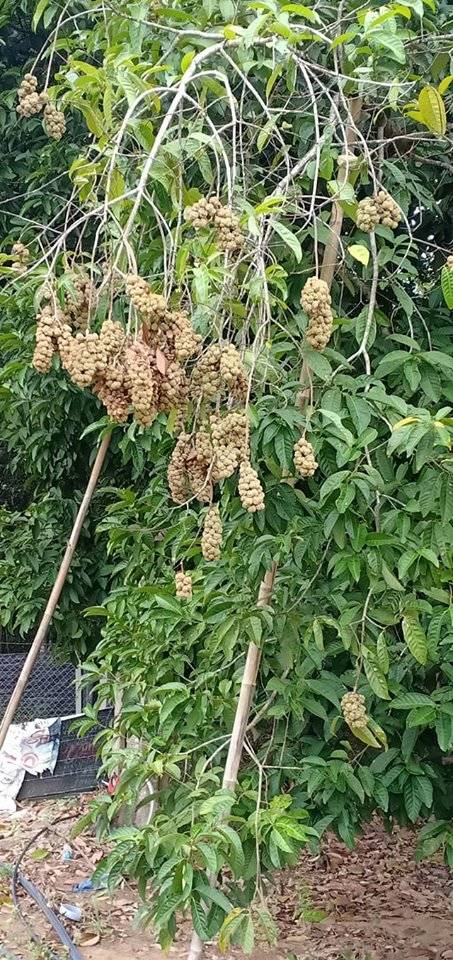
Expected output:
(213, 895)
(432, 109)
(444, 731)
(445, 83)
(301, 11)
(390, 579)
(247, 935)
(377, 680)
(274, 76)
(364, 734)
(392, 44)
(289, 238)
(412, 800)
(40, 854)
(187, 60)
(382, 655)
(447, 286)
(265, 134)
(199, 920)
(415, 638)
(406, 701)
(354, 783)
(93, 118)
(360, 253)
(420, 716)
(41, 7)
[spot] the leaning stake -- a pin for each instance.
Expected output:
(41, 632)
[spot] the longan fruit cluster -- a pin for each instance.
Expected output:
(54, 122)
(229, 442)
(210, 212)
(21, 256)
(449, 262)
(81, 302)
(381, 208)
(189, 471)
(304, 458)
(250, 489)
(186, 341)
(152, 306)
(141, 382)
(353, 709)
(388, 210)
(206, 380)
(202, 213)
(183, 585)
(232, 370)
(219, 367)
(85, 358)
(229, 234)
(316, 302)
(49, 324)
(211, 540)
(30, 101)
(116, 402)
(176, 473)
(367, 214)
(113, 337)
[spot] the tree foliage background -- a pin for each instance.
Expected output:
(364, 548)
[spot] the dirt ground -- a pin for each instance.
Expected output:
(372, 904)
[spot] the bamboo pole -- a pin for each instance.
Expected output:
(41, 632)
(248, 684)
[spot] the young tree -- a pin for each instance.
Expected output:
(254, 254)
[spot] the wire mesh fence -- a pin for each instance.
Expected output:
(52, 690)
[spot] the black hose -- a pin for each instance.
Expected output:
(50, 916)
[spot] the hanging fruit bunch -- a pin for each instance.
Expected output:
(380, 208)
(21, 255)
(31, 103)
(142, 373)
(304, 458)
(147, 373)
(354, 710)
(183, 585)
(209, 212)
(316, 302)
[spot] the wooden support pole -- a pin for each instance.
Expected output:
(248, 684)
(41, 632)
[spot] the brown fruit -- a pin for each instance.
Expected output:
(183, 585)
(367, 214)
(54, 122)
(250, 489)
(316, 301)
(211, 541)
(304, 458)
(353, 709)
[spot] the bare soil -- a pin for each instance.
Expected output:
(370, 904)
